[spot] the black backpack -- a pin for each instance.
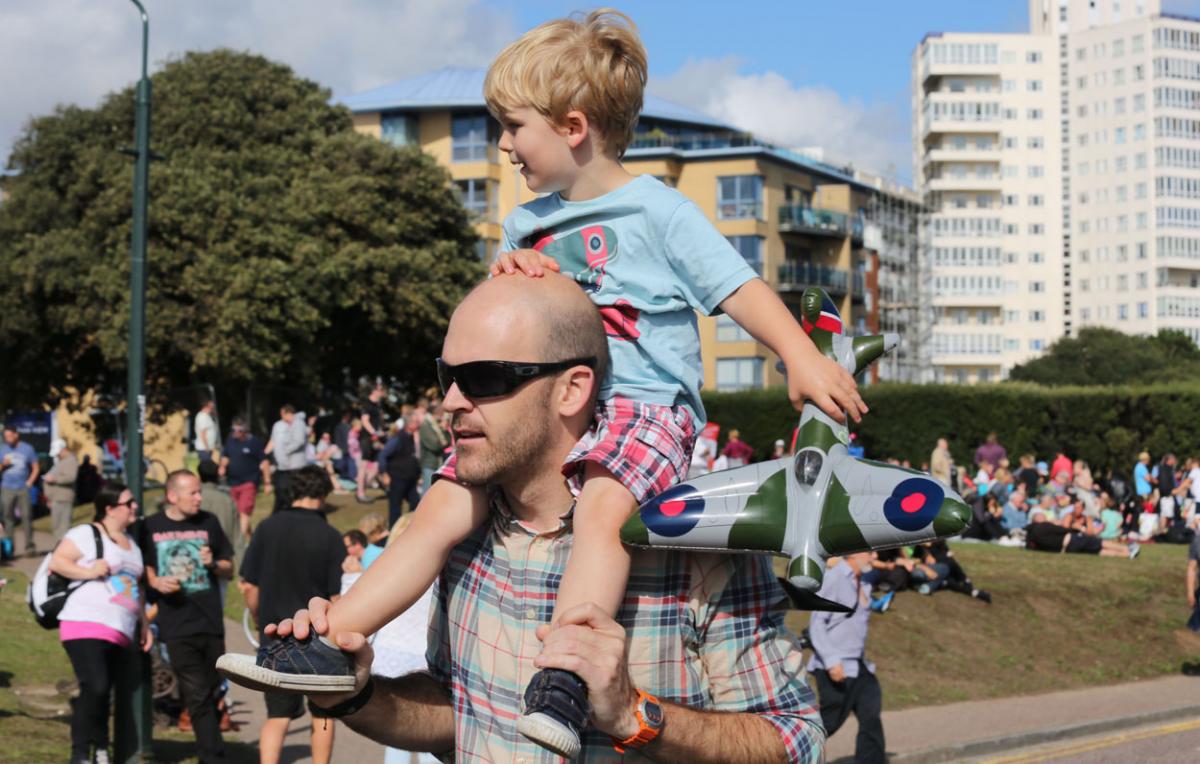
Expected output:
(48, 591)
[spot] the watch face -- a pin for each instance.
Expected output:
(652, 713)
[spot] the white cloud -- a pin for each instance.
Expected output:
(874, 137)
(76, 51)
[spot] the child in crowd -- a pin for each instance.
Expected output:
(567, 96)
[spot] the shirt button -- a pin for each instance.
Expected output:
(531, 614)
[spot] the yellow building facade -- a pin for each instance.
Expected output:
(797, 221)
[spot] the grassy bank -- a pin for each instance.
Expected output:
(1057, 622)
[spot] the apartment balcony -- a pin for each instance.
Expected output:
(796, 277)
(964, 183)
(814, 221)
(974, 155)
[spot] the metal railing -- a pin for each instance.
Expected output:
(795, 276)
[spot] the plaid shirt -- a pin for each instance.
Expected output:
(703, 630)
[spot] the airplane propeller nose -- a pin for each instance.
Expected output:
(952, 518)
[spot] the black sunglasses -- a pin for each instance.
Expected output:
(492, 379)
(129, 503)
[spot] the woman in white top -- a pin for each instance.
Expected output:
(103, 618)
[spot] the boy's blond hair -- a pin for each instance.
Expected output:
(596, 65)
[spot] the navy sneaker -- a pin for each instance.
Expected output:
(310, 666)
(556, 711)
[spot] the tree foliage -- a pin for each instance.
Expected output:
(282, 247)
(1105, 426)
(1100, 356)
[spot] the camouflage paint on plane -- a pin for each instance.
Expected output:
(816, 504)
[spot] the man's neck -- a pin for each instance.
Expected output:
(312, 504)
(597, 178)
(175, 513)
(539, 500)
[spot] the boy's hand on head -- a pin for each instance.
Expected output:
(528, 261)
(822, 380)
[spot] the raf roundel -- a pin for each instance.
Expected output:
(674, 512)
(914, 503)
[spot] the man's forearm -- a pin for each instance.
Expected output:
(1193, 572)
(411, 712)
(699, 737)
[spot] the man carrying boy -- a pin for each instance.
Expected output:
(711, 673)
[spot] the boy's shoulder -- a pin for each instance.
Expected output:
(645, 195)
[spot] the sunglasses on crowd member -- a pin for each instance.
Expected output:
(493, 379)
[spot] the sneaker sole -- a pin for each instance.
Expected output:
(549, 733)
(243, 670)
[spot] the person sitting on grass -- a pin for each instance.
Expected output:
(1110, 517)
(936, 555)
(1044, 534)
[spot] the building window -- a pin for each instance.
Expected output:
(750, 248)
(739, 196)
(1122, 312)
(1143, 309)
(473, 139)
(735, 374)
(729, 331)
(1037, 286)
(1037, 344)
(398, 129)
(1033, 57)
(478, 198)
(1037, 316)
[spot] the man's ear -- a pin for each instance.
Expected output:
(575, 128)
(575, 390)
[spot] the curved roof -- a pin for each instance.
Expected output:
(453, 87)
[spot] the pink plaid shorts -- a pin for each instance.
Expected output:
(646, 446)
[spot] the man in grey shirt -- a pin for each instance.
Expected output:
(59, 483)
(289, 436)
(845, 678)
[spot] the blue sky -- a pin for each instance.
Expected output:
(801, 73)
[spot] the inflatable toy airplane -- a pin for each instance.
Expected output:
(811, 506)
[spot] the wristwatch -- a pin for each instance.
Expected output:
(649, 714)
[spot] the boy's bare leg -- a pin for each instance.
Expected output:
(597, 571)
(598, 568)
(411, 563)
(395, 581)
(270, 739)
(322, 740)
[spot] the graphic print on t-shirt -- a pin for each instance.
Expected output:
(178, 555)
(583, 255)
(123, 589)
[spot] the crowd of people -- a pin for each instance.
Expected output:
(1059, 505)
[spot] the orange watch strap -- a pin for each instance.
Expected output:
(645, 733)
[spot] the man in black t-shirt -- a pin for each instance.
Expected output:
(185, 551)
(294, 556)
(371, 438)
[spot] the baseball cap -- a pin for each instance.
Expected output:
(779, 442)
(57, 445)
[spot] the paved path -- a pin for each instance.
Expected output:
(933, 733)
(1170, 743)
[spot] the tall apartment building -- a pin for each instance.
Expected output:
(797, 221)
(1062, 170)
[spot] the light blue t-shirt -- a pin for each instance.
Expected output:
(20, 461)
(1141, 480)
(649, 258)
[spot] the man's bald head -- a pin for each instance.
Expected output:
(552, 313)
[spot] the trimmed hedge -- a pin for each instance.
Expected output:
(1105, 426)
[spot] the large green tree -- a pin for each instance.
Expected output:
(283, 247)
(1100, 356)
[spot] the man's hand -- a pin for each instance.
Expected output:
(166, 584)
(314, 620)
(528, 261)
(267, 488)
(147, 638)
(590, 643)
(837, 673)
(385, 478)
(206, 556)
(813, 376)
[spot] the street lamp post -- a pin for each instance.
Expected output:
(134, 720)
